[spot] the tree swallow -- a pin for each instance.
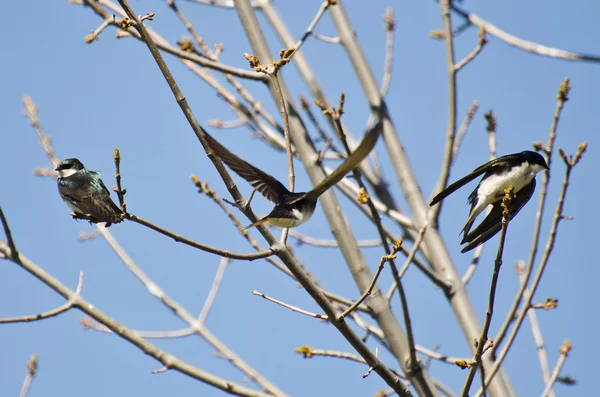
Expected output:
(84, 192)
(292, 209)
(517, 170)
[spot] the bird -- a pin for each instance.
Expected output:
(517, 170)
(84, 192)
(292, 209)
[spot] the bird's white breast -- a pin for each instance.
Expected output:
(298, 219)
(492, 187)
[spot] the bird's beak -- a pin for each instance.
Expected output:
(57, 169)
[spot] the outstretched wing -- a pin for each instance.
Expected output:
(492, 223)
(489, 166)
(365, 147)
(92, 198)
(271, 188)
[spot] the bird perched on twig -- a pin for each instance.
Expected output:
(517, 170)
(84, 192)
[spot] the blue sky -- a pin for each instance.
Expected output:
(93, 98)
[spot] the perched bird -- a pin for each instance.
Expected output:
(292, 209)
(84, 192)
(517, 170)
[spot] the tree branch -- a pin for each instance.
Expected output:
(525, 45)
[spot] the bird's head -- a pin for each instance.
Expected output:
(536, 161)
(68, 167)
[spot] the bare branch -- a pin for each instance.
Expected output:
(365, 295)
(536, 331)
(409, 259)
(9, 238)
(304, 239)
(213, 290)
(482, 342)
(180, 239)
(97, 7)
(390, 24)
(562, 98)
(434, 213)
(51, 313)
(564, 353)
(463, 128)
(482, 42)
(525, 45)
(292, 308)
(169, 361)
(32, 366)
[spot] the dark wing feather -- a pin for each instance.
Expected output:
(89, 199)
(271, 188)
(490, 165)
(351, 162)
(492, 223)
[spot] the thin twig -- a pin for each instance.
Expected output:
(442, 182)
(169, 361)
(562, 97)
(292, 308)
(408, 260)
(390, 25)
(68, 305)
(305, 105)
(120, 191)
(179, 310)
(97, 7)
(93, 36)
(32, 367)
(525, 45)
(180, 239)
(463, 128)
(309, 30)
(214, 288)
(327, 39)
(228, 124)
(317, 242)
(564, 353)
(188, 25)
(506, 204)
(8, 234)
(31, 113)
(365, 295)
(482, 42)
(288, 142)
(537, 333)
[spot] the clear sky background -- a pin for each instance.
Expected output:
(93, 98)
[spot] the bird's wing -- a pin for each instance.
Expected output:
(489, 166)
(269, 187)
(90, 200)
(492, 223)
(351, 162)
